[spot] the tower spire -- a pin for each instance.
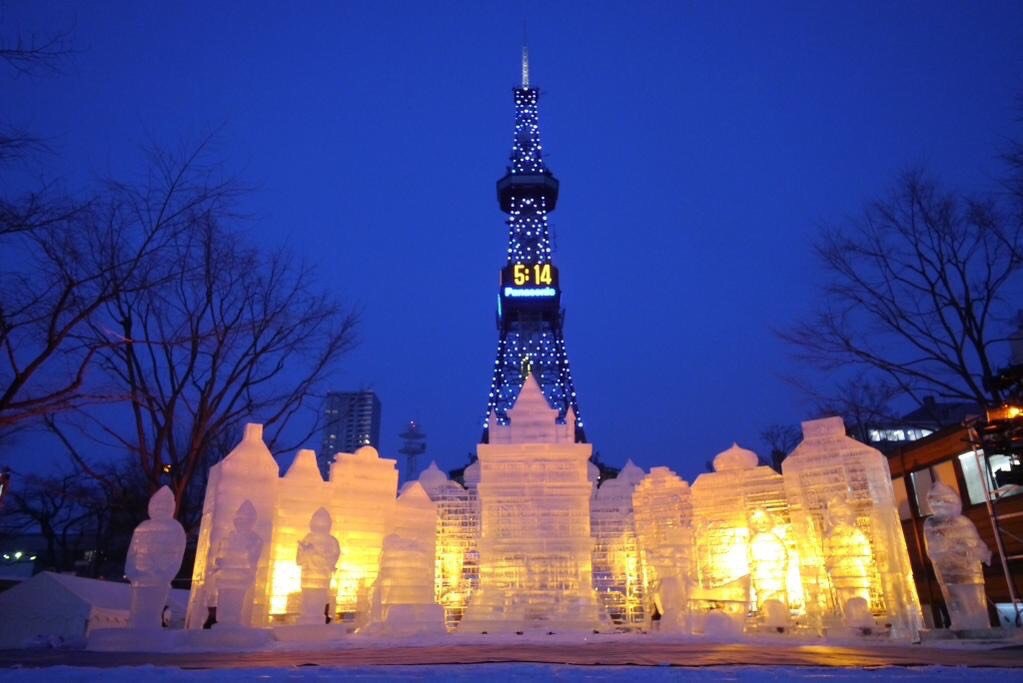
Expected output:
(525, 55)
(525, 66)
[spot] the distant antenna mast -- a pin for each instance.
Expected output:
(414, 446)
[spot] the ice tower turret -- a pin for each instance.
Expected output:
(616, 569)
(664, 511)
(404, 596)
(853, 553)
(456, 575)
(248, 473)
(535, 545)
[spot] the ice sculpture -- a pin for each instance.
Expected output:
(457, 569)
(404, 602)
(662, 505)
(317, 557)
(739, 566)
(616, 571)
(301, 492)
(362, 491)
(956, 551)
(535, 545)
(250, 473)
(154, 558)
(829, 468)
(849, 560)
(235, 563)
(769, 568)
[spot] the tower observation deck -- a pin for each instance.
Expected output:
(530, 319)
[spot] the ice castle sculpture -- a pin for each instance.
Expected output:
(956, 551)
(358, 500)
(154, 558)
(740, 527)
(529, 544)
(404, 601)
(616, 572)
(247, 473)
(535, 545)
(664, 517)
(456, 575)
(854, 562)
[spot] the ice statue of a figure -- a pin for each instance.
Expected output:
(234, 567)
(154, 558)
(848, 558)
(317, 555)
(956, 551)
(768, 559)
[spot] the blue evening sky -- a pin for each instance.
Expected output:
(699, 145)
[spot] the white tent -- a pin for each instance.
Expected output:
(60, 609)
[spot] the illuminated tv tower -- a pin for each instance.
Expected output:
(529, 315)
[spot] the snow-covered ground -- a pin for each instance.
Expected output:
(504, 672)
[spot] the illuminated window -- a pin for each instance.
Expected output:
(990, 464)
(876, 435)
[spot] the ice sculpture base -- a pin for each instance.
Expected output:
(228, 638)
(408, 621)
(719, 625)
(972, 634)
(309, 633)
(860, 633)
(132, 640)
(501, 616)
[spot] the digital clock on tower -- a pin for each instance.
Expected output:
(530, 275)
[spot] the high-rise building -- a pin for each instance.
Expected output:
(529, 314)
(350, 419)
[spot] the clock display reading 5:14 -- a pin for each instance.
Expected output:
(536, 274)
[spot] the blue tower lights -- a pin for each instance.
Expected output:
(529, 314)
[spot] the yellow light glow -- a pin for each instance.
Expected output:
(1004, 412)
(286, 578)
(358, 570)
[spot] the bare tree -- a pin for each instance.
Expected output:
(33, 55)
(217, 333)
(56, 507)
(42, 206)
(780, 441)
(59, 268)
(86, 521)
(64, 272)
(918, 295)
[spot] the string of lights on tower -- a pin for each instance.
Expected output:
(530, 319)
